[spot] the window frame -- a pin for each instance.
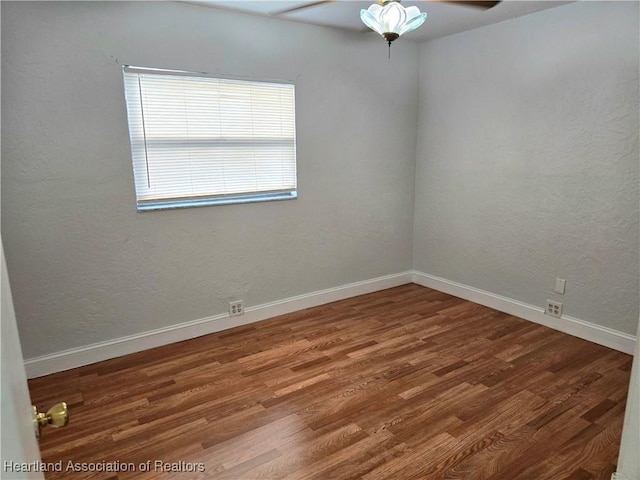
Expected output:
(175, 202)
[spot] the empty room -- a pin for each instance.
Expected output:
(320, 239)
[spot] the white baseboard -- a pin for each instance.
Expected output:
(608, 337)
(77, 357)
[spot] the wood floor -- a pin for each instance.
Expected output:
(399, 384)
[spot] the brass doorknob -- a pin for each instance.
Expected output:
(57, 416)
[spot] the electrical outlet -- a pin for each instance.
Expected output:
(554, 308)
(236, 308)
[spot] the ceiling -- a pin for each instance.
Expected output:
(443, 18)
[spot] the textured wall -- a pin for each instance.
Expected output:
(85, 267)
(527, 165)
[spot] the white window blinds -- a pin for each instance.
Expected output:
(198, 140)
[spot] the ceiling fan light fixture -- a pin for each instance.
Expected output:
(390, 19)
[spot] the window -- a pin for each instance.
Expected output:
(199, 140)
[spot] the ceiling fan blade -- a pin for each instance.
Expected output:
(485, 4)
(301, 7)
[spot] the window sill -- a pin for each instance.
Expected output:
(207, 202)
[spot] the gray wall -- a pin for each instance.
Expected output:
(85, 267)
(527, 164)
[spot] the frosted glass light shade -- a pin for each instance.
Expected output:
(392, 18)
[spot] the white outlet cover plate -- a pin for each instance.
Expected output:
(554, 308)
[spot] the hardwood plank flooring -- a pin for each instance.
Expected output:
(406, 383)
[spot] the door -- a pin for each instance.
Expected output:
(19, 444)
(628, 462)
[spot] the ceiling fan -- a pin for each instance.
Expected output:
(390, 19)
(483, 4)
